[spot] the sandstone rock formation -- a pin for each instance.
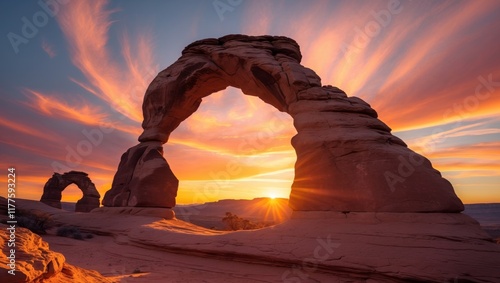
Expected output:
(143, 179)
(35, 262)
(31, 251)
(52, 191)
(347, 159)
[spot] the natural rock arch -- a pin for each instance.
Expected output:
(347, 159)
(52, 191)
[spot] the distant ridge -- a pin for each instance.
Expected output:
(210, 214)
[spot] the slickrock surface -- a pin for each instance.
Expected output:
(311, 247)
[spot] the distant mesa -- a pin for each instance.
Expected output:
(347, 159)
(52, 191)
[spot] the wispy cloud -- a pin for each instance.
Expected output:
(81, 111)
(48, 48)
(257, 25)
(486, 151)
(429, 86)
(86, 27)
(428, 142)
(29, 130)
(227, 123)
(408, 70)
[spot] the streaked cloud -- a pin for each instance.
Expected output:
(485, 153)
(56, 107)
(29, 130)
(79, 111)
(48, 48)
(86, 26)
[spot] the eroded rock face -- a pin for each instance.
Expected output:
(33, 259)
(347, 159)
(143, 179)
(35, 262)
(52, 191)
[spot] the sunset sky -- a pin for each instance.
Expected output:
(74, 76)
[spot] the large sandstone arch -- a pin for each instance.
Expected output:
(347, 159)
(52, 191)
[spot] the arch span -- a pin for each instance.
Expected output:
(347, 159)
(52, 191)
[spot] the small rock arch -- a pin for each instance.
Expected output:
(52, 191)
(347, 159)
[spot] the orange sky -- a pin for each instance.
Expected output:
(423, 66)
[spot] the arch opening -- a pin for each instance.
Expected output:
(234, 147)
(70, 195)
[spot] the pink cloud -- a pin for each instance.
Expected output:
(48, 48)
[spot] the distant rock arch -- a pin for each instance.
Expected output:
(347, 159)
(52, 191)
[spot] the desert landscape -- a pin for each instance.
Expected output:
(350, 142)
(336, 227)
